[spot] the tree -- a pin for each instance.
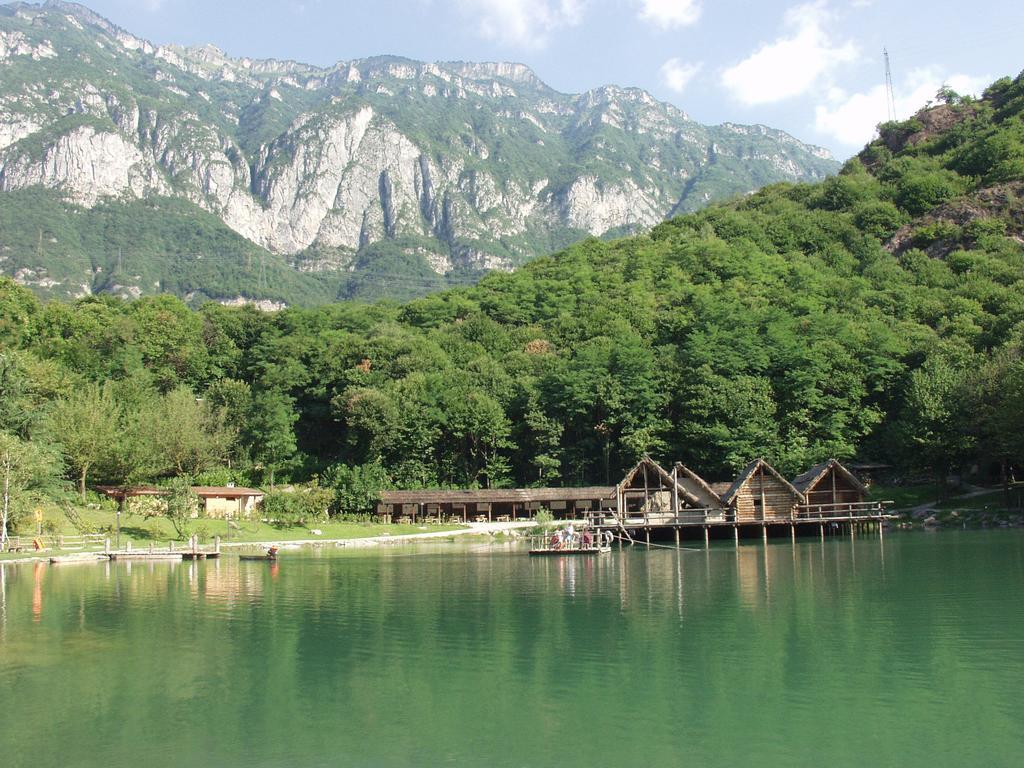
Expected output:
(30, 473)
(190, 434)
(181, 505)
(85, 424)
(271, 431)
(356, 488)
(933, 427)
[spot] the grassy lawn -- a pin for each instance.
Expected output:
(142, 530)
(987, 502)
(907, 496)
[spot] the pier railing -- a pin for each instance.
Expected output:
(86, 541)
(841, 510)
(718, 516)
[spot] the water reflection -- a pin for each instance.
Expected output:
(385, 657)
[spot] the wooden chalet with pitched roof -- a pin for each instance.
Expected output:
(760, 494)
(831, 488)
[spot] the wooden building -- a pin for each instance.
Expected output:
(227, 501)
(761, 494)
(649, 493)
(829, 488)
(492, 505)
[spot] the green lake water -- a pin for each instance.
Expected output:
(906, 651)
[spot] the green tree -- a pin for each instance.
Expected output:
(85, 423)
(181, 505)
(30, 473)
(189, 434)
(270, 431)
(356, 488)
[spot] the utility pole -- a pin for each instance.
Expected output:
(890, 99)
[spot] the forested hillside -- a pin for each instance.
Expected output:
(878, 314)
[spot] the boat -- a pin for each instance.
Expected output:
(270, 555)
(550, 552)
(555, 546)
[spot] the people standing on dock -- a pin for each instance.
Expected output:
(570, 536)
(588, 540)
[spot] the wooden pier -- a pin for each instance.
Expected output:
(192, 552)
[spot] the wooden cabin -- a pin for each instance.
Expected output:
(830, 487)
(649, 491)
(227, 501)
(760, 494)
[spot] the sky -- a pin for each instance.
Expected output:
(814, 69)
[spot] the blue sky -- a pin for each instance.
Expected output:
(812, 68)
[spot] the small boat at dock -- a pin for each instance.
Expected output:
(571, 544)
(269, 556)
(550, 552)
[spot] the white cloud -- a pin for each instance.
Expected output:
(792, 64)
(669, 14)
(851, 118)
(676, 75)
(523, 23)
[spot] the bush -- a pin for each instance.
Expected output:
(879, 218)
(356, 489)
(300, 506)
(919, 192)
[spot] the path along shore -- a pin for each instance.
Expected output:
(363, 542)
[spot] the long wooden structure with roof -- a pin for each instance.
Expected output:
(650, 498)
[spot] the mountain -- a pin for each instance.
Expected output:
(380, 175)
(877, 314)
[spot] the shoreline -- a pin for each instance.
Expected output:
(472, 529)
(363, 542)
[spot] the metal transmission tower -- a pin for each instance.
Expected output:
(890, 99)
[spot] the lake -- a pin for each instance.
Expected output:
(902, 651)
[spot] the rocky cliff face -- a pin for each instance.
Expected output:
(462, 166)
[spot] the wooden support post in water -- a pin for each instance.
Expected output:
(792, 533)
(707, 537)
(764, 533)
(677, 537)
(736, 534)
(647, 537)
(821, 526)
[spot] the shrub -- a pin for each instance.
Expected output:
(300, 506)
(355, 489)
(919, 192)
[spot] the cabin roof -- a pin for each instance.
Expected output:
(497, 495)
(749, 471)
(708, 487)
(664, 475)
(224, 491)
(813, 476)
